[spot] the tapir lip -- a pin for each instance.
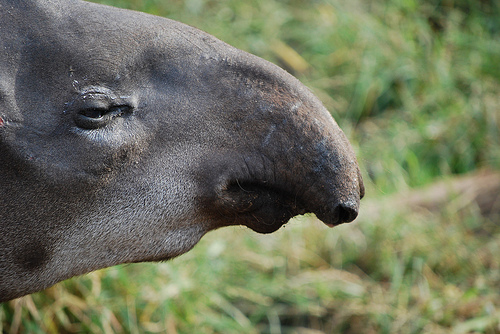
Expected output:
(261, 206)
(264, 206)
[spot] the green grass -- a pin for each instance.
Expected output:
(416, 87)
(418, 274)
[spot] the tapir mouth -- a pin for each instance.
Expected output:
(261, 206)
(265, 206)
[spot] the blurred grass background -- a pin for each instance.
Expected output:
(416, 87)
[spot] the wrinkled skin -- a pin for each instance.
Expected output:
(125, 137)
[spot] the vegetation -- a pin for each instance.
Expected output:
(416, 87)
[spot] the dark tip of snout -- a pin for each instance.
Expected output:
(347, 212)
(341, 213)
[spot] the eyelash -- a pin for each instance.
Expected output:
(95, 118)
(97, 113)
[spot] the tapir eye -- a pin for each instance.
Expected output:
(94, 118)
(94, 113)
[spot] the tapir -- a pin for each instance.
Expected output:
(125, 137)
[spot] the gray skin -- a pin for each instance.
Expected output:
(125, 137)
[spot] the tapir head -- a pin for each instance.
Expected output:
(125, 137)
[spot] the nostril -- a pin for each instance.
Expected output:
(347, 213)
